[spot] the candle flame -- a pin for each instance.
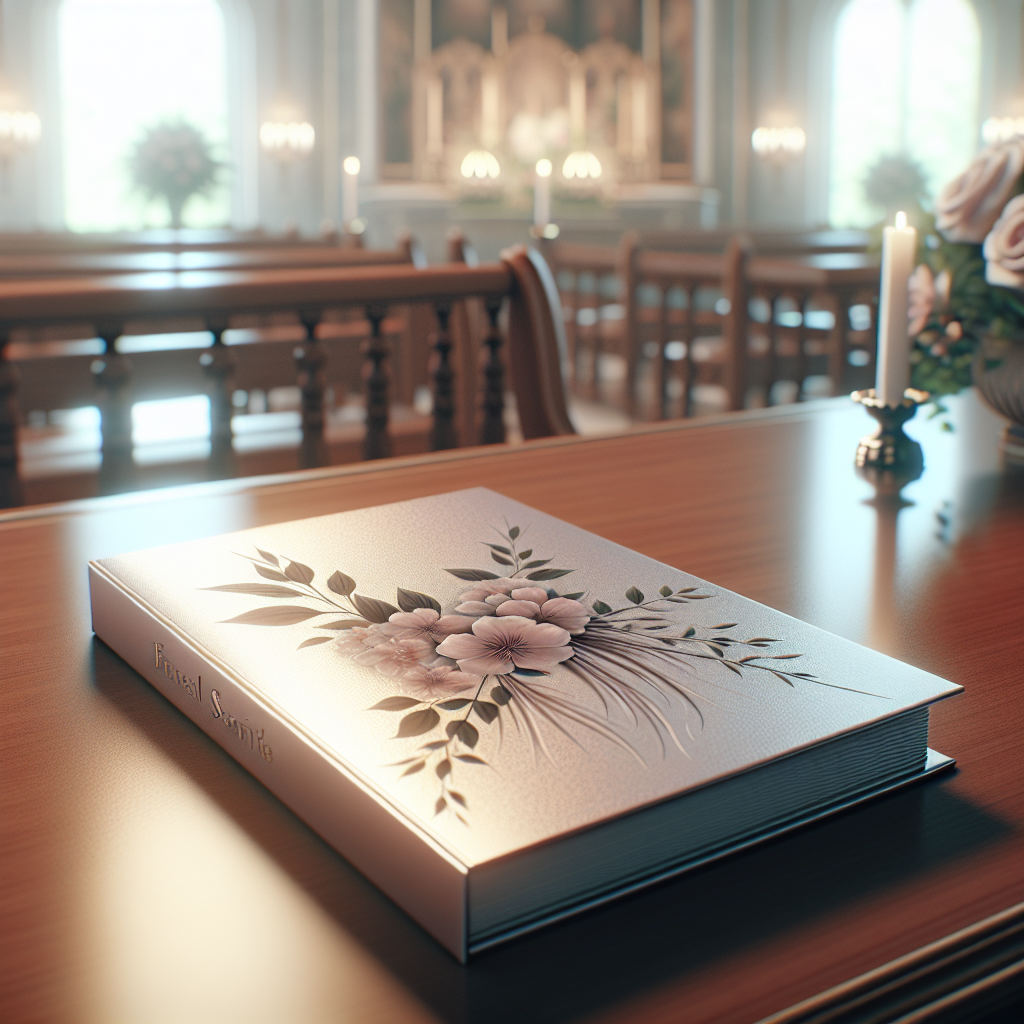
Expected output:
(901, 221)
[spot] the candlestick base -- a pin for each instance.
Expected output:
(888, 459)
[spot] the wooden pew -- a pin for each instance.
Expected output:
(164, 240)
(521, 284)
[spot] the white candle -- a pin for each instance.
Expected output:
(899, 249)
(542, 193)
(350, 189)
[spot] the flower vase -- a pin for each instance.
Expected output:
(998, 372)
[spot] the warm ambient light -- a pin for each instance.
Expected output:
(544, 167)
(1002, 129)
(778, 141)
(581, 165)
(351, 165)
(478, 163)
(286, 139)
(901, 221)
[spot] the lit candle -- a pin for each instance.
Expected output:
(542, 193)
(899, 248)
(350, 189)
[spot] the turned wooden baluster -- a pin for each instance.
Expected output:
(377, 444)
(690, 292)
(113, 375)
(661, 360)
(493, 429)
(310, 360)
(802, 302)
(219, 365)
(772, 358)
(10, 484)
(442, 435)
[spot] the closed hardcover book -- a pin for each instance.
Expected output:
(499, 718)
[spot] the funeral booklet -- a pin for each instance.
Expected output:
(502, 719)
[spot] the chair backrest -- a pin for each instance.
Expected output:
(520, 283)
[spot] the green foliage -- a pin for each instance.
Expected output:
(895, 183)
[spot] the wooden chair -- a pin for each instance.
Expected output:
(521, 284)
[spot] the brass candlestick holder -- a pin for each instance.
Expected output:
(889, 459)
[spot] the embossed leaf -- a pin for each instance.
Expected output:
(500, 559)
(434, 745)
(372, 609)
(635, 595)
(513, 533)
(413, 769)
(257, 590)
(573, 597)
(531, 672)
(458, 797)
(665, 591)
(313, 641)
(276, 615)
(299, 572)
(487, 711)
(526, 553)
(536, 563)
(699, 597)
(343, 624)
(268, 557)
(686, 590)
(341, 584)
(470, 759)
(409, 600)
(500, 695)
(465, 732)
(784, 657)
(453, 705)
(271, 574)
(499, 548)
(725, 625)
(762, 640)
(439, 806)
(601, 608)
(395, 704)
(690, 632)
(717, 650)
(416, 723)
(473, 575)
(443, 768)
(548, 574)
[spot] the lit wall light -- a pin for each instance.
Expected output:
(581, 165)
(778, 142)
(478, 163)
(1001, 129)
(287, 138)
(19, 129)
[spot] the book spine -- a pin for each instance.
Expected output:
(428, 883)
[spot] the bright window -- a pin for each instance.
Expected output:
(905, 81)
(127, 65)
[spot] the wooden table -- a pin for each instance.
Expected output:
(147, 877)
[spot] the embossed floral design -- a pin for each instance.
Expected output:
(502, 654)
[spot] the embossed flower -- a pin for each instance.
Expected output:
(359, 639)
(393, 657)
(424, 624)
(432, 683)
(534, 603)
(502, 644)
(970, 204)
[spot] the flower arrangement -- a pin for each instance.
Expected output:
(173, 161)
(497, 656)
(969, 285)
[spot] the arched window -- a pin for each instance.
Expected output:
(905, 82)
(126, 66)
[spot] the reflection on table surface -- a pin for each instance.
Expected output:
(147, 877)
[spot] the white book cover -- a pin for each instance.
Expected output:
(486, 677)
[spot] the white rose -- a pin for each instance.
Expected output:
(970, 204)
(1004, 247)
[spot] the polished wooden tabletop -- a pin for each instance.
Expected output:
(146, 877)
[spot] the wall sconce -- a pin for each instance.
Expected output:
(778, 143)
(19, 130)
(286, 139)
(478, 163)
(1001, 129)
(581, 165)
